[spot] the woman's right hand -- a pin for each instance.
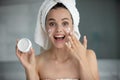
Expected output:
(27, 59)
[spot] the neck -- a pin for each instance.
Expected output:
(60, 54)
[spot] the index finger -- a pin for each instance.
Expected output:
(17, 51)
(74, 38)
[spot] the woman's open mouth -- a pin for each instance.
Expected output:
(59, 37)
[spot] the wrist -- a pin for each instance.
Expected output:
(31, 74)
(30, 69)
(82, 59)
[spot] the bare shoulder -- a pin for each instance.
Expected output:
(91, 57)
(40, 58)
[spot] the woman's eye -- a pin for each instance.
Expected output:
(52, 24)
(65, 23)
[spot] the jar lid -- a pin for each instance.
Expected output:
(24, 45)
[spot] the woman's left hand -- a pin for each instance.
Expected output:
(88, 63)
(76, 48)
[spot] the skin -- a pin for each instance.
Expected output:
(61, 60)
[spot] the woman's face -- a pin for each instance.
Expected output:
(59, 25)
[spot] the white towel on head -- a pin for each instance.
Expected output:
(41, 37)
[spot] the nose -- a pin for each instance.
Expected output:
(59, 28)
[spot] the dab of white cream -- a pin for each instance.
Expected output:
(68, 30)
(49, 32)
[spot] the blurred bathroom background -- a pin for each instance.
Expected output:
(100, 21)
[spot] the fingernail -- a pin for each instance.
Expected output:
(66, 44)
(85, 37)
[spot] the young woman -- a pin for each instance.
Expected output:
(67, 57)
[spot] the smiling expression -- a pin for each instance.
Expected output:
(58, 25)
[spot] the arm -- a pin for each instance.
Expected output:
(87, 60)
(31, 74)
(29, 63)
(88, 67)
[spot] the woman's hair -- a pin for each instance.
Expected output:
(58, 5)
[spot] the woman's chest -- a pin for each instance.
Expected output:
(52, 70)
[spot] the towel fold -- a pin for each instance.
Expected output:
(41, 37)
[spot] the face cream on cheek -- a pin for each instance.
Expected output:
(49, 32)
(68, 30)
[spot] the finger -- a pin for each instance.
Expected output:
(69, 49)
(17, 40)
(74, 39)
(71, 43)
(85, 42)
(68, 45)
(16, 44)
(32, 55)
(32, 51)
(17, 51)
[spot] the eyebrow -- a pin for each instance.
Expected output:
(65, 19)
(51, 19)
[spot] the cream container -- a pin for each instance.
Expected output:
(24, 45)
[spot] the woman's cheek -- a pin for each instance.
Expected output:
(50, 32)
(67, 30)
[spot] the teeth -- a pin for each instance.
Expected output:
(59, 36)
